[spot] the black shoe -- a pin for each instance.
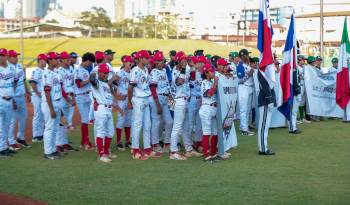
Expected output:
(58, 155)
(5, 154)
(120, 147)
(215, 158)
(23, 143)
(297, 131)
(247, 133)
(37, 139)
(10, 151)
(51, 156)
(69, 148)
(161, 144)
(268, 152)
(128, 145)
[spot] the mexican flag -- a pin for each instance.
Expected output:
(343, 86)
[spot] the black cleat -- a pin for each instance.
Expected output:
(297, 131)
(120, 147)
(268, 152)
(23, 143)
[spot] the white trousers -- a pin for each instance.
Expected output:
(207, 114)
(123, 120)
(265, 113)
(141, 120)
(5, 117)
(38, 123)
(84, 106)
(51, 125)
(103, 124)
(294, 113)
(19, 115)
(347, 113)
(245, 97)
(194, 119)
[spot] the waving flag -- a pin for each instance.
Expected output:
(288, 66)
(265, 32)
(343, 89)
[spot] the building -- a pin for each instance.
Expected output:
(142, 8)
(10, 24)
(64, 18)
(31, 8)
(119, 10)
(278, 15)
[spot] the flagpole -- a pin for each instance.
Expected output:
(321, 32)
(21, 32)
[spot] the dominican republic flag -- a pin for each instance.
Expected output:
(343, 86)
(265, 32)
(288, 66)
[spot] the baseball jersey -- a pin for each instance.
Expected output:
(67, 78)
(139, 78)
(51, 80)
(123, 82)
(19, 78)
(36, 77)
(246, 80)
(206, 86)
(233, 68)
(110, 74)
(81, 74)
(184, 89)
(160, 79)
(195, 85)
(102, 93)
(7, 79)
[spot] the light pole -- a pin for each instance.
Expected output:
(321, 31)
(21, 45)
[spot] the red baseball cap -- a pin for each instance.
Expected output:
(103, 68)
(158, 56)
(52, 55)
(201, 59)
(42, 57)
(208, 67)
(65, 55)
(180, 56)
(99, 55)
(222, 61)
(3, 52)
(12, 53)
(194, 59)
(128, 59)
(142, 54)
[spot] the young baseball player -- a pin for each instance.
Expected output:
(245, 91)
(7, 103)
(160, 112)
(37, 90)
(20, 95)
(103, 105)
(139, 98)
(51, 105)
(195, 101)
(208, 112)
(124, 120)
(302, 106)
(181, 77)
(82, 95)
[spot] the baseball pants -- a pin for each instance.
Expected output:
(141, 120)
(5, 117)
(180, 126)
(104, 122)
(294, 113)
(158, 121)
(265, 113)
(194, 118)
(84, 105)
(207, 114)
(38, 123)
(51, 125)
(347, 113)
(124, 120)
(245, 97)
(20, 115)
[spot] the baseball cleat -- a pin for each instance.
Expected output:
(15, 147)
(225, 156)
(247, 133)
(306, 121)
(128, 145)
(297, 131)
(177, 156)
(208, 159)
(268, 152)
(51, 156)
(105, 159)
(68, 147)
(23, 143)
(37, 139)
(120, 147)
(87, 147)
(139, 156)
(153, 154)
(193, 153)
(112, 156)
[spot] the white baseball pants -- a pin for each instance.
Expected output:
(5, 118)
(51, 125)
(20, 115)
(245, 97)
(38, 123)
(141, 120)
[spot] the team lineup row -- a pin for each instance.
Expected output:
(149, 95)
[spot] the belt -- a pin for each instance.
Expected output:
(7, 98)
(58, 99)
(211, 104)
(106, 106)
(185, 98)
(83, 93)
(163, 94)
(141, 96)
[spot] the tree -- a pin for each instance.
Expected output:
(95, 19)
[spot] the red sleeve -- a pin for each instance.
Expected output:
(154, 91)
(64, 94)
(193, 75)
(211, 92)
(78, 83)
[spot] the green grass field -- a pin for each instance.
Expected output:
(311, 168)
(32, 47)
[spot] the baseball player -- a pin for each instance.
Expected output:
(109, 57)
(304, 117)
(7, 102)
(195, 100)
(208, 112)
(181, 77)
(139, 98)
(82, 95)
(103, 105)
(37, 90)
(51, 106)
(21, 94)
(124, 121)
(296, 102)
(160, 89)
(245, 91)
(334, 66)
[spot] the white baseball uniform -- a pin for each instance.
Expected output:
(67, 80)
(7, 77)
(245, 97)
(38, 117)
(82, 93)
(51, 82)
(122, 89)
(181, 121)
(159, 79)
(20, 114)
(194, 105)
(208, 110)
(141, 98)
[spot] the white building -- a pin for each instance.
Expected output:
(65, 18)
